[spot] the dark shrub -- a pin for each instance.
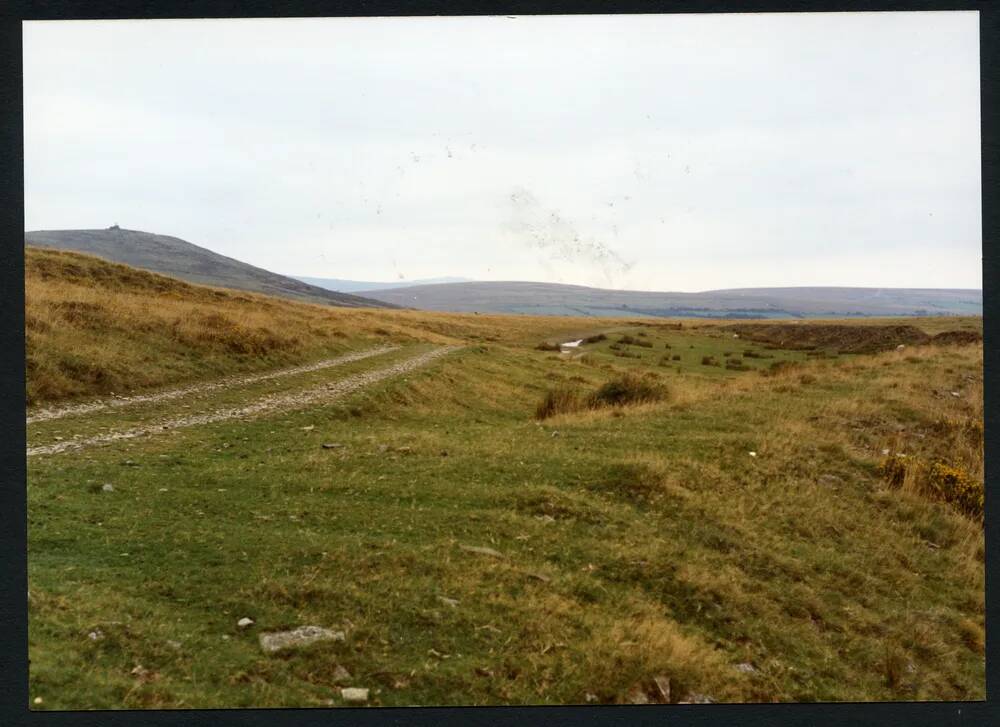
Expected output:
(627, 389)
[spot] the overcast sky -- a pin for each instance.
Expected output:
(684, 152)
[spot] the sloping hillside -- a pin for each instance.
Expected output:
(93, 327)
(578, 300)
(181, 259)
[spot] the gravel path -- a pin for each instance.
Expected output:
(45, 414)
(322, 394)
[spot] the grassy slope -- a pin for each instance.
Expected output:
(662, 546)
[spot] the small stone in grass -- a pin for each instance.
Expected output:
(481, 550)
(38, 700)
(753, 454)
(107, 487)
(354, 695)
(341, 675)
(302, 636)
(332, 445)
(244, 622)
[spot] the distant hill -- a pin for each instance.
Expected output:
(577, 300)
(350, 286)
(184, 260)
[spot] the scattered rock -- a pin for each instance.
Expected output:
(481, 550)
(308, 428)
(448, 601)
(139, 671)
(341, 675)
(590, 697)
(38, 700)
(244, 622)
(107, 487)
(746, 668)
(662, 685)
(483, 672)
(354, 695)
(885, 452)
(955, 394)
(95, 635)
(697, 699)
(637, 695)
(332, 445)
(555, 433)
(752, 454)
(302, 636)
(900, 347)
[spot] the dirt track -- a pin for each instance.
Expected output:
(268, 404)
(46, 414)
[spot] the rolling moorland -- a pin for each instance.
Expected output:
(351, 286)
(577, 300)
(669, 511)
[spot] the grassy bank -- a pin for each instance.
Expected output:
(611, 544)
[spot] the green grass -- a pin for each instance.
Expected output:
(637, 541)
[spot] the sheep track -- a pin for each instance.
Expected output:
(272, 403)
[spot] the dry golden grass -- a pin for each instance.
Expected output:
(94, 327)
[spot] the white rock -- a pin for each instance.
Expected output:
(302, 636)
(481, 550)
(107, 487)
(38, 700)
(354, 695)
(746, 668)
(753, 454)
(955, 394)
(448, 601)
(244, 622)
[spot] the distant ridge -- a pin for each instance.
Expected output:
(578, 300)
(350, 286)
(181, 259)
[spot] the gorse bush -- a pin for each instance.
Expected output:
(937, 480)
(956, 486)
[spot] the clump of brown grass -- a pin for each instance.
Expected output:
(625, 390)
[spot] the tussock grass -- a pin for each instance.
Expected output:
(626, 390)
